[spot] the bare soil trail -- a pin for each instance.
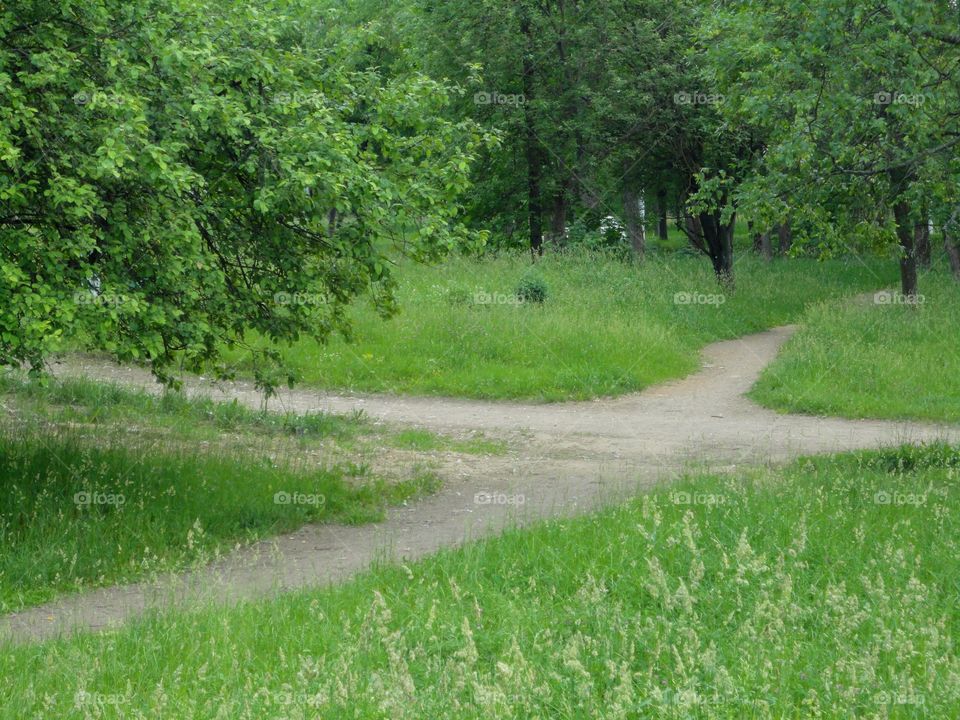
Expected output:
(567, 458)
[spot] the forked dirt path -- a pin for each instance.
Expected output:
(567, 458)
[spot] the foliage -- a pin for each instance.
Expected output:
(532, 288)
(583, 95)
(857, 106)
(176, 171)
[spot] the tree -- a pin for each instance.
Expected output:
(180, 173)
(859, 106)
(582, 94)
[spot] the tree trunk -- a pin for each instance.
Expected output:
(567, 183)
(766, 247)
(634, 220)
(785, 236)
(761, 243)
(921, 240)
(953, 255)
(718, 238)
(533, 156)
(662, 214)
(908, 257)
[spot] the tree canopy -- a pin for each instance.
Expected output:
(180, 173)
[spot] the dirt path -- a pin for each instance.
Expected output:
(573, 457)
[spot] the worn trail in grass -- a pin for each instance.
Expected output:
(574, 457)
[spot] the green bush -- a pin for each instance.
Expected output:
(532, 288)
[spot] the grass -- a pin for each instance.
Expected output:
(76, 515)
(827, 589)
(606, 327)
(78, 400)
(873, 360)
(426, 441)
(173, 481)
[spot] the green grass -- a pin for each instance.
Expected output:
(869, 360)
(153, 506)
(828, 589)
(426, 441)
(78, 400)
(606, 327)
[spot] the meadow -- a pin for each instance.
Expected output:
(824, 589)
(605, 326)
(198, 476)
(873, 359)
(107, 485)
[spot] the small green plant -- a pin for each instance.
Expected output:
(532, 288)
(458, 296)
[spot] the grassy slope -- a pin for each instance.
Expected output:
(788, 594)
(869, 360)
(180, 504)
(606, 328)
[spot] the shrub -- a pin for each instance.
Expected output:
(532, 288)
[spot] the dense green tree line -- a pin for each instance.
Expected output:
(833, 124)
(175, 171)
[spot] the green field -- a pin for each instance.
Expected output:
(105, 485)
(607, 327)
(873, 360)
(826, 589)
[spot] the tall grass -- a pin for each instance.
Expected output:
(873, 360)
(606, 326)
(827, 590)
(87, 401)
(76, 513)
